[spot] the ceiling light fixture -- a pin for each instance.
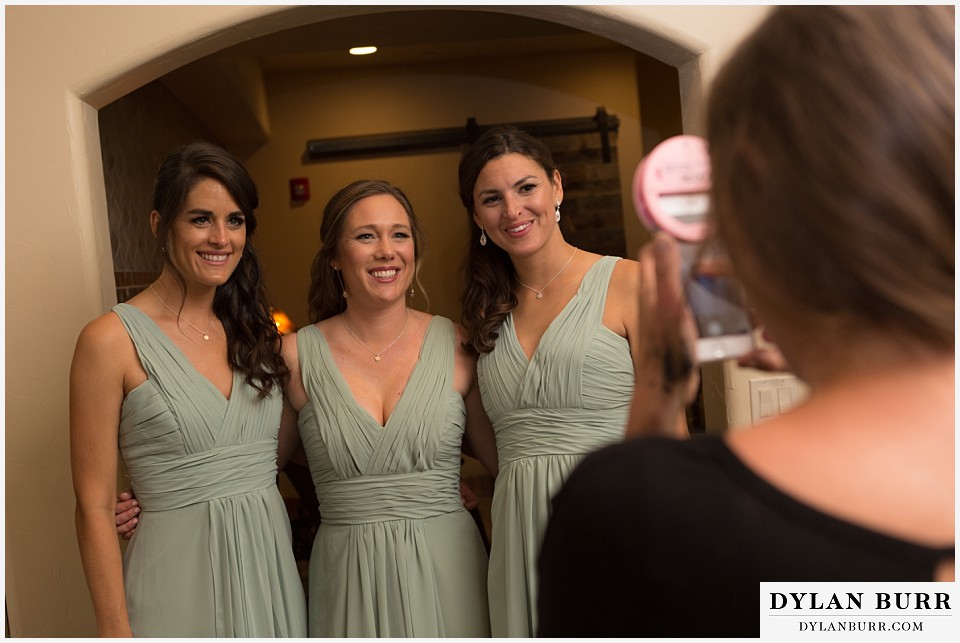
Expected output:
(362, 51)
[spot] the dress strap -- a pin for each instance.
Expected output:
(596, 285)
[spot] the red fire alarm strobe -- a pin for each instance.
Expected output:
(300, 189)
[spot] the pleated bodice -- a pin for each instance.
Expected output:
(570, 398)
(212, 552)
(396, 554)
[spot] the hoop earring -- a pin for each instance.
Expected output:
(483, 236)
(343, 289)
(558, 213)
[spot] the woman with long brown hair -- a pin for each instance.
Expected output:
(186, 377)
(556, 330)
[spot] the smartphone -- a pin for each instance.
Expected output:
(671, 189)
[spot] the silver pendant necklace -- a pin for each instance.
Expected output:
(204, 333)
(376, 355)
(540, 291)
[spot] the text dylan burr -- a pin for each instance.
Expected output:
(855, 601)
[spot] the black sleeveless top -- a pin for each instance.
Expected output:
(661, 537)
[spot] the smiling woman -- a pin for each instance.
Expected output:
(187, 378)
(206, 242)
(555, 329)
(384, 397)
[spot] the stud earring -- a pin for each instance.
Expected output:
(558, 213)
(483, 236)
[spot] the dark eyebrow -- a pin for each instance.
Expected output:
(210, 212)
(516, 184)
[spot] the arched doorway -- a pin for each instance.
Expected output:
(63, 64)
(265, 97)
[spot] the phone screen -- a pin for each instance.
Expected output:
(722, 322)
(714, 302)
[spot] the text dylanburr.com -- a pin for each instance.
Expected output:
(861, 611)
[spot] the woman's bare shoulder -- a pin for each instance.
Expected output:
(622, 312)
(105, 332)
(288, 347)
(626, 276)
(104, 349)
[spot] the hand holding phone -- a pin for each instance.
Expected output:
(671, 193)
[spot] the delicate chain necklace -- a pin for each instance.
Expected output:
(205, 333)
(540, 291)
(376, 355)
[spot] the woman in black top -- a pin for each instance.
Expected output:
(831, 134)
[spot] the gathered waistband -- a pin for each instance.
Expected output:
(376, 498)
(557, 431)
(200, 477)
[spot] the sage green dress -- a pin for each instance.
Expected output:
(572, 397)
(396, 554)
(212, 554)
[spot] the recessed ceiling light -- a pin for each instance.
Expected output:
(362, 51)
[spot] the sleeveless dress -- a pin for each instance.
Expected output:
(571, 398)
(212, 554)
(396, 554)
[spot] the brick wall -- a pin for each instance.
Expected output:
(592, 210)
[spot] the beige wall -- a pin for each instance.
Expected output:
(64, 63)
(403, 99)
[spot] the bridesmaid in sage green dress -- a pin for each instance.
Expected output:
(556, 331)
(384, 396)
(191, 392)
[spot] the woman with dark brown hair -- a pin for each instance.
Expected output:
(831, 134)
(186, 377)
(384, 397)
(555, 329)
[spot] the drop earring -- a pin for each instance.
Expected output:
(483, 236)
(558, 213)
(343, 289)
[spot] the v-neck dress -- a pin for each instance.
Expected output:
(396, 554)
(212, 554)
(570, 398)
